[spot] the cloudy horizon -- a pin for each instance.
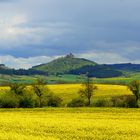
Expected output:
(32, 32)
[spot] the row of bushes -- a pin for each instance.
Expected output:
(38, 95)
(28, 100)
(120, 101)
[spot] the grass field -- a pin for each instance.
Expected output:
(70, 124)
(67, 79)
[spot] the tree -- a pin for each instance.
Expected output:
(88, 89)
(40, 88)
(134, 86)
(18, 89)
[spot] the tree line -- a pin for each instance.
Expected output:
(22, 72)
(28, 96)
(39, 95)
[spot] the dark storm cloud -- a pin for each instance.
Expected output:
(52, 27)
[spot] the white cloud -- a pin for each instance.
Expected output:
(10, 30)
(25, 63)
(104, 57)
(99, 57)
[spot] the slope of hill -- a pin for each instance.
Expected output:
(3, 67)
(99, 71)
(64, 65)
(76, 66)
(9, 71)
(127, 67)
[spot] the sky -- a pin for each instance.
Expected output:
(37, 31)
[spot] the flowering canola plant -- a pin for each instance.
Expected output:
(70, 124)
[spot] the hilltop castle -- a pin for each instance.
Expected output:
(70, 55)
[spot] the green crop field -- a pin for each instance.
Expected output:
(67, 78)
(70, 124)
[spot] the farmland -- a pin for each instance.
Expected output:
(70, 91)
(70, 124)
(67, 78)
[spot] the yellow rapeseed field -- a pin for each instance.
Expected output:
(70, 91)
(70, 124)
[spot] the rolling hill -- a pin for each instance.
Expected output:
(3, 67)
(127, 67)
(77, 66)
(70, 65)
(9, 71)
(98, 71)
(63, 65)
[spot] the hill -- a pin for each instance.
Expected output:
(63, 65)
(9, 71)
(127, 67)
(70, 65)
(77, 66)
(98, 71)
(3, 67)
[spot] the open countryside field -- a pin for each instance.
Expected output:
(70, 124)
(67, 78)
(70, 91)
